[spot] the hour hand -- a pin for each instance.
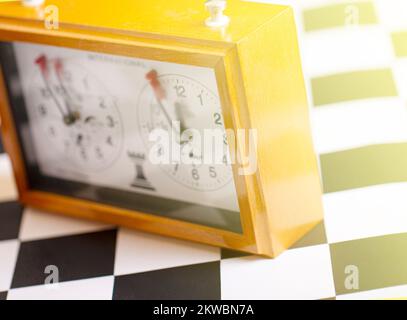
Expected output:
(72, 115)
(183, 113)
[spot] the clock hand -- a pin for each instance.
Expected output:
(161, 98)
(72, 115)
(159, 93)
(42, 62)
(183, 113)
(179, 111)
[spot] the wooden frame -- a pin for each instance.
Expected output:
(218, 58)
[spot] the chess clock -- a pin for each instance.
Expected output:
(182, 118)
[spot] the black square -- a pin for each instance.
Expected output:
(3, 295)
(228, 254)
(314, 237)
(76, 257)
(193, 282)
(10, 219)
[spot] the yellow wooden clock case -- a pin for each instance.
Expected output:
(260, 83)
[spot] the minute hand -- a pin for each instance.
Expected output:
(160, 96)
(59, 70)
(42, 62)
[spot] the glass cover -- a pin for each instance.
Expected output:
(122, 131)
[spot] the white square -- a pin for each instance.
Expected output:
(8, 190)
(371, 121)
(346, 49)
(89, 289)
(139, 252)
(399, 292)
(8, 256)
(37, 224)
(304, 273)
(366, 212)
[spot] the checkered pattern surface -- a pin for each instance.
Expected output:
(357, 79)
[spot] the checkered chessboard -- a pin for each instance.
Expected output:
(355, 62)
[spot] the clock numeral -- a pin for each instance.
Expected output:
(102, 103)
(99, 153)
(60, 90)
(109, 141)
(225, 139)
(218, 118)
(83, 154)
(42, 110)
(225, 159)
(45, 93)
(79, 139)
(180, 90)
(212, 172)
(195, 174)
(110, 121)
(160, 151)
(52, 131)
(200, 96)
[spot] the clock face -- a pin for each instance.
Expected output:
(75, 114)
(92, 119)
(194, 106)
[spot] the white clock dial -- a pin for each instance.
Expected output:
(194, 106)
(76, 115)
